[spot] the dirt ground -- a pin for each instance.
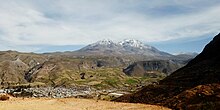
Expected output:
(71, 104)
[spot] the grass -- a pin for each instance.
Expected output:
(100, 78)
(131, 81)
(112, 82)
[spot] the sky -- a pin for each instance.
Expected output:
(173, 26)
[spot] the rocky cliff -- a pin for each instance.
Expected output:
(152, 68)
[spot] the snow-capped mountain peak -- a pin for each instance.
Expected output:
(133, 43)
(125, 47)
(105, 42)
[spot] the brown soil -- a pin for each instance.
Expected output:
(71, 104)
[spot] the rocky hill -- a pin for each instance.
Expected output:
(195, 86)
(13, 66)
(152, 68)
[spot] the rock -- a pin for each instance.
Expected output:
(4, 97)
(82, 75)
(152, 68)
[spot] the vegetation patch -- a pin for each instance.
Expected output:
(131, 81)
(112, 82)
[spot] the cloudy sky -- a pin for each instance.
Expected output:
(59, 25)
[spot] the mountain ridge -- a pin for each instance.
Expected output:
(125, 47)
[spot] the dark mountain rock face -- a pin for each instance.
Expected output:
(203, 69)
(210, 52)
(195, 86)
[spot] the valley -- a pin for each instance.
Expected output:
(87, 72)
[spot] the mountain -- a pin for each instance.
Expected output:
(124, 48)
(185, 56)
(103, 47)
(137, 47)
(195, 86)
(124, 53)
(146, 60)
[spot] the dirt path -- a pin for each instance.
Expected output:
(71, 104)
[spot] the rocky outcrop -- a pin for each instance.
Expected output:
(31, 72)
(4, 97)
(150, 68)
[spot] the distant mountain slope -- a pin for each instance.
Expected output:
(195, 86)
(103, 47)
(149, 68)
(186, 55)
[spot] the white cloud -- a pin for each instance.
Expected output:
(74, 22)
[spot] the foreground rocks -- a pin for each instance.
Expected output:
(4, 97)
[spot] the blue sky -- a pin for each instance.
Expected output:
(184, 45)
(60, 25)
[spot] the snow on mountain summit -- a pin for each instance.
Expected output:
(134, 43)
(105, 42)
(129, 43)
(125, 47)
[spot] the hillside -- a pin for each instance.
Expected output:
(54, 70)
(148, 68)
(195, 86)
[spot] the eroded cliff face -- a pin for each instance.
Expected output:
(152, 68)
